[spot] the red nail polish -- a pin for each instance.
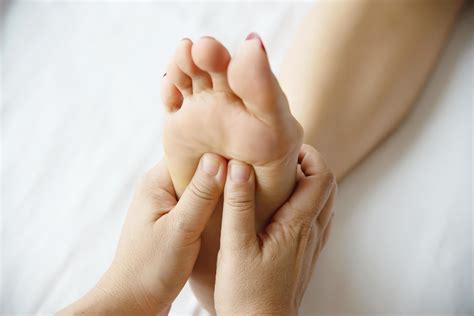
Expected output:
(254, 35)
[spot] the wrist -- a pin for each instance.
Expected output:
(114, 294)
(125, 288)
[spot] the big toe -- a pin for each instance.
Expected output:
(251, 78)
(211, 56)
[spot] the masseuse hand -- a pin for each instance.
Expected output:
(268, 273)
(159, 243)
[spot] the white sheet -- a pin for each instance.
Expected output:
(81, 120)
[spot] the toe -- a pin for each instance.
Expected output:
(201, 79)
(170, 95)
(177, 77)
(211, 56)
(251, 79)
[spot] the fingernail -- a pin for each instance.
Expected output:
(254, 35)
(209, 165)
(239, 172)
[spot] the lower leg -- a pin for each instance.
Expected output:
(356, 67)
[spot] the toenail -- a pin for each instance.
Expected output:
(208, 37)
(254, 35)
(209, 165)
(239, 172)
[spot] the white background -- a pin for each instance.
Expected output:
(81, 119)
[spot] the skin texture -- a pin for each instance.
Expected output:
(234, 108)
(159, 243)
(350, 87)
(267, 273)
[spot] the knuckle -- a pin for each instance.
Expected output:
(292, 233)
(305, 213)
(312, 156)
(302, 224)
(239, 200)
(183, 228)
(327, 177)
(324, 179)
(202, 190)
(309, 150)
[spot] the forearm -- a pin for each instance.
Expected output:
(356, 67)
(114, 296)
(97, 302)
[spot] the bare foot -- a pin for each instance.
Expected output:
(234, 108)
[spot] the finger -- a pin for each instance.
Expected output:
(238, 218)
(316, 238)
(327, 212)
(312, 191)
(200, 197)
(312, 162)
(327, 233)
(314, 260)
(311, 247)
